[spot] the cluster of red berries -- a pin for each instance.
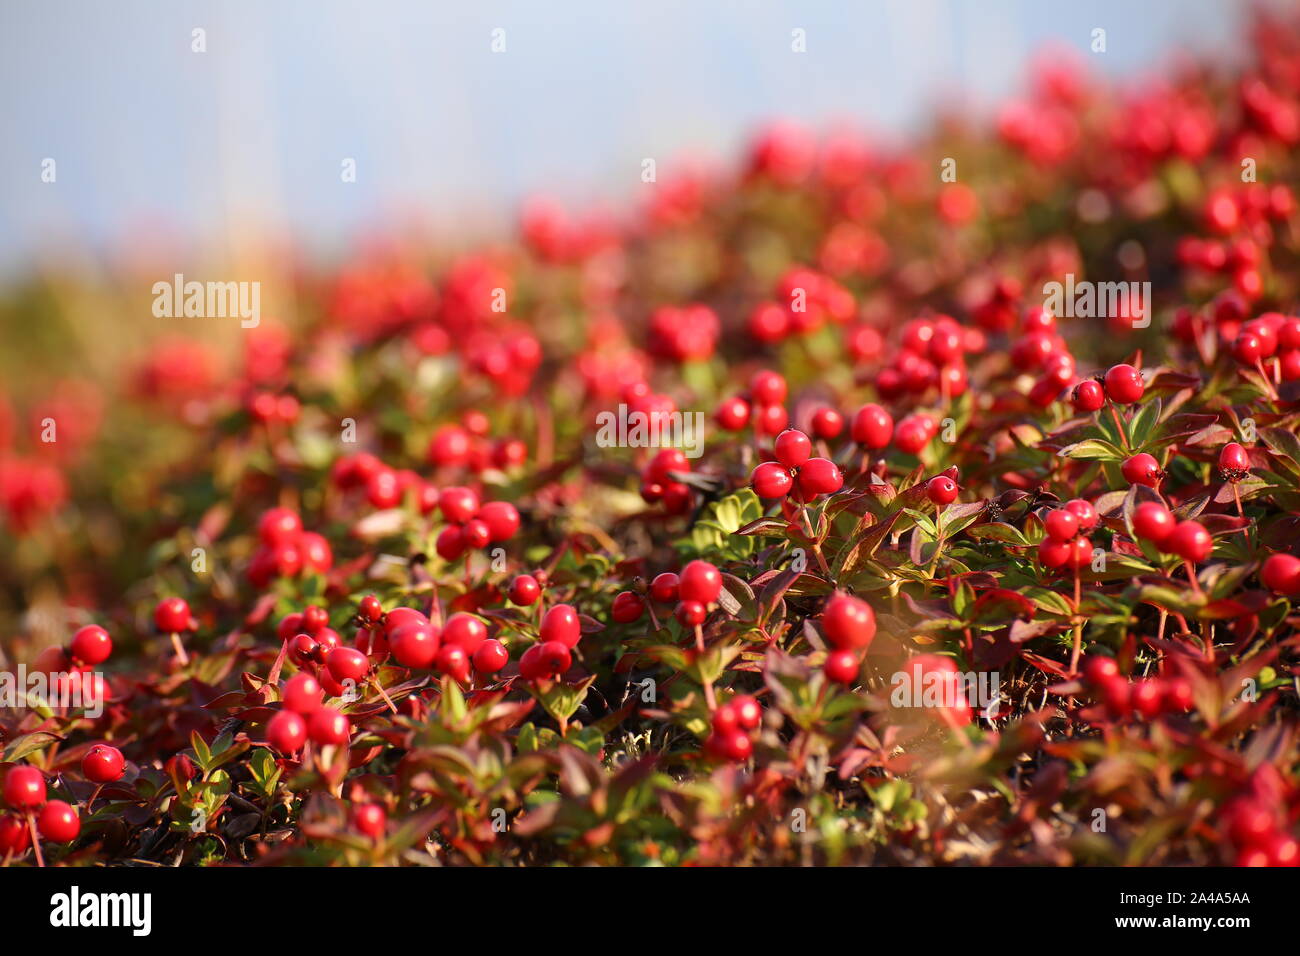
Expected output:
(732, 726)
(286, 549)
(384, 487)
(1122, 384)
(762, 406)
(1256, 826)
(684, 333)
(304, 714)
(931, 357)
(794, 472)
(269, 408)
(473, 525)
(1067, 543)
(1272, 342)
(467, 446)
(24, 793)
(658, 484)
(849, 626)
(805, 301)
(1148, 698)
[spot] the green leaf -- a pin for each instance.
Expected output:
(1093, 449)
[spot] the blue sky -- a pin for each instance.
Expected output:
(153, 140)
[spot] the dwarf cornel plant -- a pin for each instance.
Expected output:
(974, 539)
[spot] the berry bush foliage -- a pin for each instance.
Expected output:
(374, 590)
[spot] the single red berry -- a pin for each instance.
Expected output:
(524, 590)
(1141, 469)
(370, 609)
(819, 476)
(664, 588)
(172, 616)
(475, 534)
(554, 658)
(1247, 348)
(328, 727)
(24, 787)
(286, 732)
(103, 764)
(58, 822)
(1249, 821)
(690, 613)
(725, 719)
(770, 419)
(1124, 384)
(735, 746)
(1178, 695)
(1147, 697)
(1080, 552)
(848, 623)
(91, 645)
(792, 448)
(501, 518)
(1053, 554)
(1084, 511)
(454, 661)
(314, 618)
(827, 423)
(1088, 396)
(1281, 573)
(561, 624)
(768, 388)
(302, 693)
(872, 426)
(414, 644)
(700, 581)
(279, 526)
(912, 434)
(14, 836)
(1115, 697)
(1234, 463)
(732, 414)
(771, 480)
(1190, 541)
(628, 606)
(941, 490)
(450, 544)
(1097, 669)
(1061, 524)
(749, 712)
(1153, 522)
(842, 667)
(491, 656)
(464, 630)
(458, 504)
(347, 664)
(370, 819)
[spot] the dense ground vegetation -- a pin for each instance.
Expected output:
(377, 590)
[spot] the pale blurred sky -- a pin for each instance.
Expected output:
(155, 141)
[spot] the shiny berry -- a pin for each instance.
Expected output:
(58, 822)
(465, 631)
(848, 623)
(819, 476)
(302, 693)
(872, 426)
(1190, 541)
(842, 667)
(690, 613)
(792, 448)
(771, 480)
(370, 819)
(664, 587)
(628, 606)
(1061, 525)
(328, 727)
(941, 490)
(700, 581)
(1124, 384)
(24, 787)
(172, 615)
(1153, 522)
(490, 657)
(103, 764)
(561, 624)
(1281, 573)
(524, 590)
(91, 645)
(286, 732)
(827, 423)
(1084, 511)
(347, 664)
(1088, 396)
(1141, 469)
(767, 388)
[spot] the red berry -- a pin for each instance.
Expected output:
(279, 526)
(1084, 511)
(941, 490)
(561, 624)
(347, 664)
(1153, 522)
(627, 607)
(14, 836)
(913, 434)
(842, 667)
(465, 631)
(732, 414)
(1281, 573)
(317, 556)
(475, 534)
(792, 448)
(691, 613)
(819, 476)
(1141, 469)
(1147, 698)
(768, 388)
(1097, 669)
(1061, 525)
(328, 727)
(103, 764)
(1234, 463)
(664, 588)
(91, 645)
(1190, 541)
(848, 623)
(749, 712)
(1249, 821)
(770, 419)
(1124, 384)
(370, 819)
(491, 656)
(1088, 396)
(735, 746)
(451, 543)
(725, 719)
(458, 504)
(872, 426)
(1178, 695)
(302, 693)
(524, 590)
(58, 822)
(554, 658)
(172, 616)
(1054, 554)
(1247, 348)
(827, 423)
(501, 518)
(24, 787)
(700, 581)
(286, 732)
(414, 644)
(771, 480)
(453, 661)
(314, 618)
